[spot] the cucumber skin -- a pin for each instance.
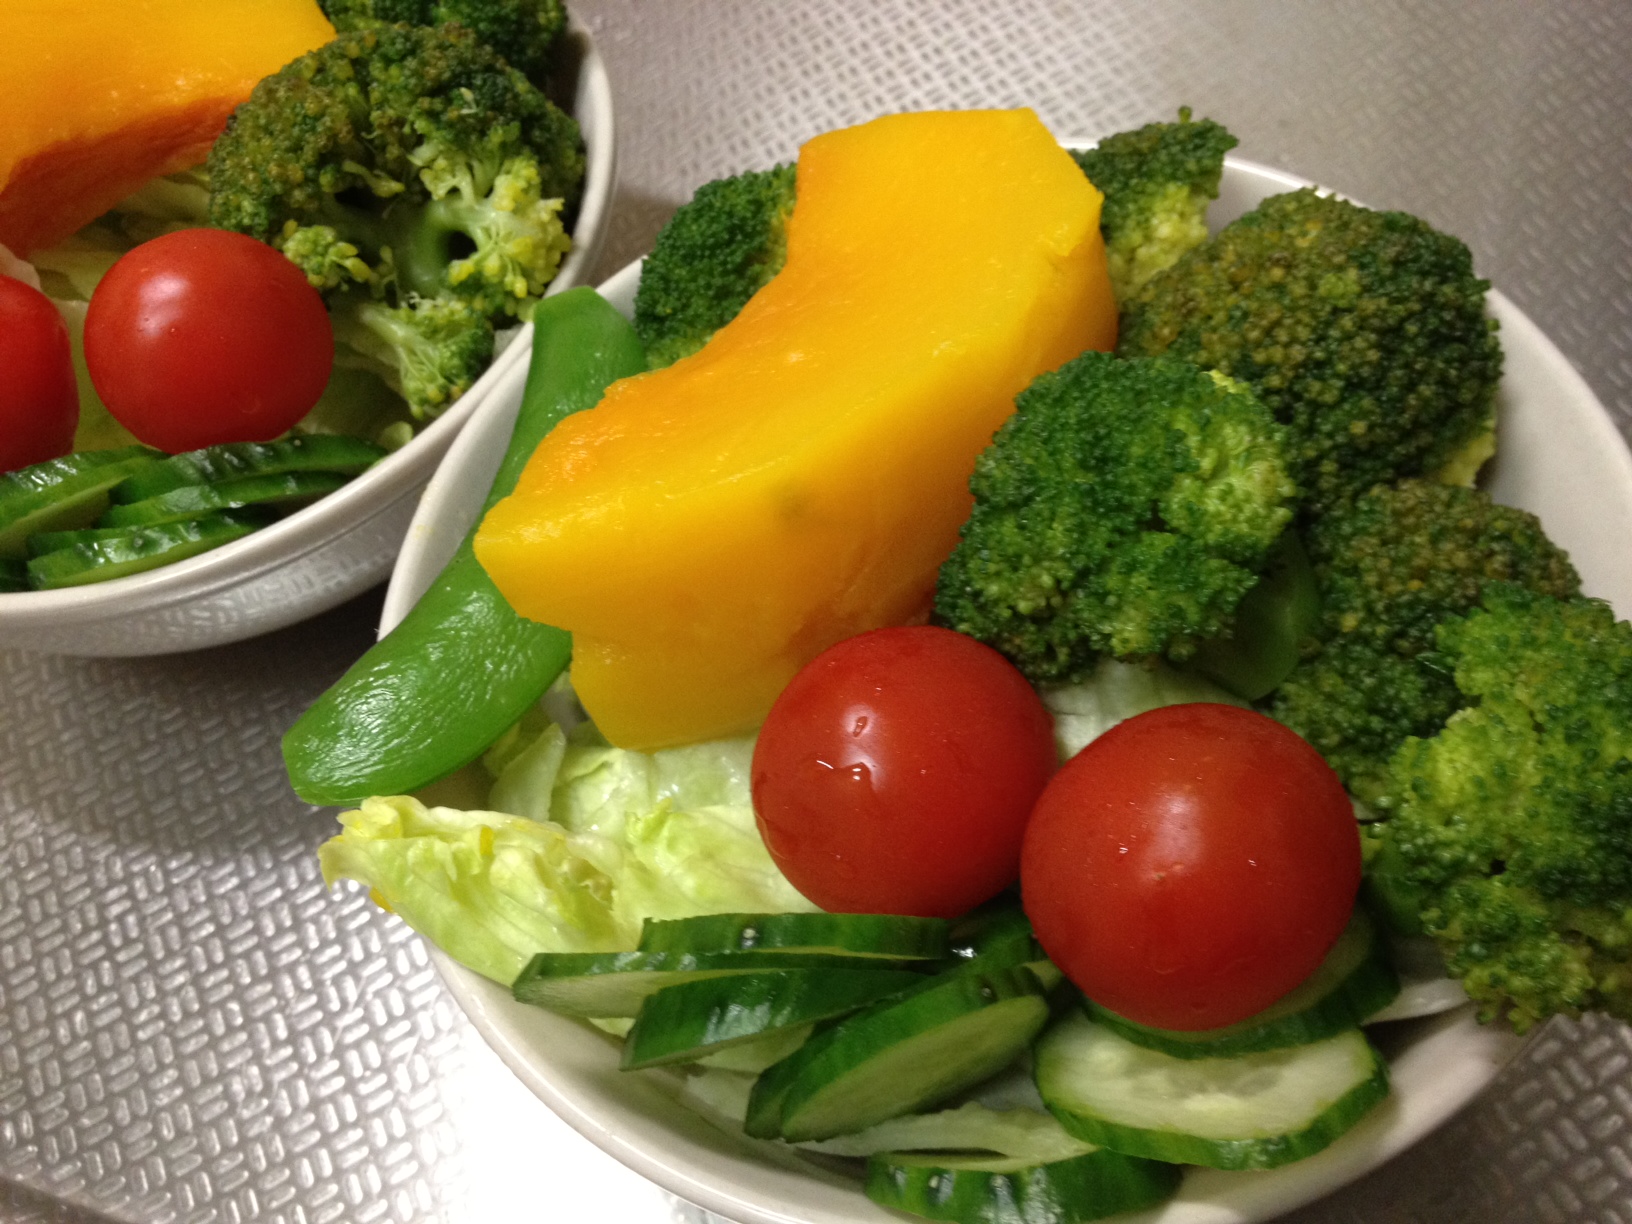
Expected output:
(1265, 1152)
(1370, 986)
(336, 453)
(836, 1053)
(1069, 1191)
(882, 935)
(135, 550)
(692, 1020)
(628, 978)
(432, 694)
(193, 501)
(27, 496)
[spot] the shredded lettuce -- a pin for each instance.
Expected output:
(1117, 691)
(585, 842)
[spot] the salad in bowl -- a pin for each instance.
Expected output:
(1273, 921)
(247, 324)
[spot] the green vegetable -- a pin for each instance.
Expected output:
(1124, 509)
(1158, 181)
(437, 690)
(283, 489)
(1390, 568)
(695, 1019)
(985, 1189)
(61, 494)
(315, 453)
(419, 181)
(716, 252)
(1512, 827)
(1276, 623)
(1114, 691)
(524, 32)
(1252, 1111)
(899, 1055)
(593, 842)
(1364, 332)
(74, 558)
(894, 936)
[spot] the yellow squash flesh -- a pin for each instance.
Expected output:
(710, 527)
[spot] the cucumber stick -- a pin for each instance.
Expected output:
(883, 935)
(1355, 981)
(1007, 1190)
(695, 1019)
(1251, 1111)
(608, 984)
(333, 453)
(74, 558)
(192, 501)
(61, 494)
(899, 1055)
(462, 666)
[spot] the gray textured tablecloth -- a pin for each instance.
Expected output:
(192, 1030)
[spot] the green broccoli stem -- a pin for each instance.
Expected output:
(426, 239)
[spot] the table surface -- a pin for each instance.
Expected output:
(193, 1030)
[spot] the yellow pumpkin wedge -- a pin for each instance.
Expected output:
(104, 95)
(710, 527)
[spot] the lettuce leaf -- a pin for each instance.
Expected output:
(586, 842)
(1116, 691)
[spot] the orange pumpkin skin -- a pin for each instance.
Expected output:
(710, 527)
(104, 97)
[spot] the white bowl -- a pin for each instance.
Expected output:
(1560, 457)
(339, 546)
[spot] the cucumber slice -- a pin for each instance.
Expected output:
(901, 1055)
(1253, 1111)
(118, 552)
(52, 541)
(13, 575)
(190, 501)
(1006, 1190)
(334, 453)
(604, 984)
(885, 935)
(62, 493)
(1025, 1133)
(1355, 980)
(686, 1022)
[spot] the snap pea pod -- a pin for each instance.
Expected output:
(432, 694)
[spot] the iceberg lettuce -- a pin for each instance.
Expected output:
(585, 842)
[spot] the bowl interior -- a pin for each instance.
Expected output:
(1561, 457)
(343, 543)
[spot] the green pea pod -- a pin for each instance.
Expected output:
(432, 694)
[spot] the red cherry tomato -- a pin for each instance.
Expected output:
(39, 400)
(895, 774)
(206, 336)
(1191, 866)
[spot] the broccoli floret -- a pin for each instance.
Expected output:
(716, 252)
(1391, 568)
(412, 165)
(524, 32)
(1363, 331)
(1158, 181)
(1514, 823)
(1124, 509)
(429, 351)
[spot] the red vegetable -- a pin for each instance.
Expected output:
(896, 772)
(1191, 866)
(39, 400)
(206, 336)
